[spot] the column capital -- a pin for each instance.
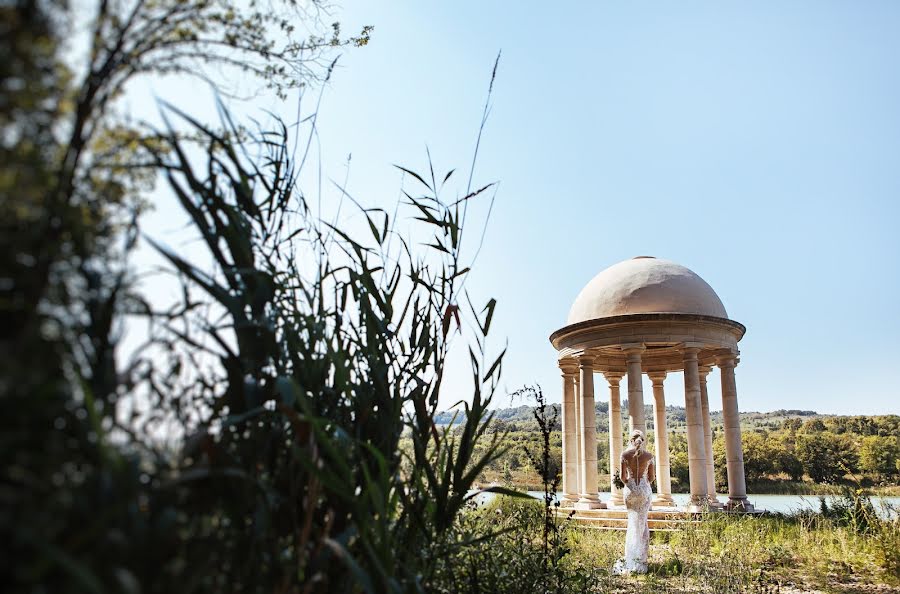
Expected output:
(689, 353)
(614, 377)
(568, 367)
(729, 360)
(656, 377)
(704, 371)
(586, 361)
(691, 347)
(632, 349)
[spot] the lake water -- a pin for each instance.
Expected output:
(772, 503)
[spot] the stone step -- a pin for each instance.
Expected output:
(621, 513)
(623, 528)
(624, 522)
(617, 519)
(616, 524)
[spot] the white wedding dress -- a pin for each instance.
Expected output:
(638, 496)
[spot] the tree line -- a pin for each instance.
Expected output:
(780, 447)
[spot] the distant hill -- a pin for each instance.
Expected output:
(522, 417)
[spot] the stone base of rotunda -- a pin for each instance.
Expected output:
(739, 505)
(586, 504)
(568, 502)
(714, 503)
(663, 501)
(698, 504)
(616, 500)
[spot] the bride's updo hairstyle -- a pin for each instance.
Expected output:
(637, 433)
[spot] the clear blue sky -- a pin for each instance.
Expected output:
(757, 144)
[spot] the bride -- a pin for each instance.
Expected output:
(636, 473)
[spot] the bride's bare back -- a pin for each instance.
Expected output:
(635, 464)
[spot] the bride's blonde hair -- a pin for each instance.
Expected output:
(638, 433)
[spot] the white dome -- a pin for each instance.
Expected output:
(645, 285)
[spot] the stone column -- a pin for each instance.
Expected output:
(696, 443)
(589, 498)
(663, 473)
(579, 429)
(569, 442)
(734, 454)
(615, 434)
(707, 438)
(635, 388)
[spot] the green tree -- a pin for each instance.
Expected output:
(792, 425)
(720, 468)
(758, 455)
(785, 459)
(680, 469)
(879, 455)
(813, 426)
(513, 461)
(826, 457)
(507, 475)
(678, 459)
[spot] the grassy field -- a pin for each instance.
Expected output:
(847, 550)
(749, 555)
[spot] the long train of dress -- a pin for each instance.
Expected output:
(638, 497)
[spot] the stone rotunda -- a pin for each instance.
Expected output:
(648, 316)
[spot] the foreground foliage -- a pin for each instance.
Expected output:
(281, 381)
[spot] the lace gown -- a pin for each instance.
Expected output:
(638, 496)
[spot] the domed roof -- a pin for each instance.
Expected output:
(645, 285)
